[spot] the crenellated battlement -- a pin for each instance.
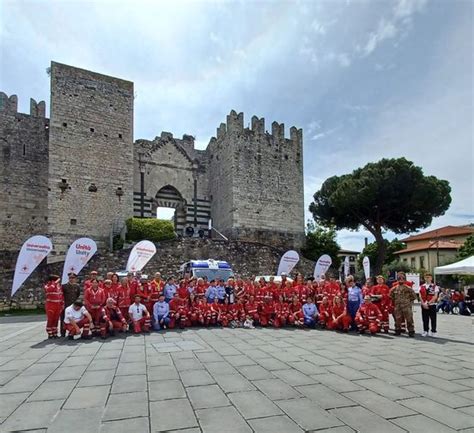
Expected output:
(10, 105)
(235, 123)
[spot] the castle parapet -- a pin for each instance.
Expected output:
(235, 122)
(296, 135)
(37, 109)
(278, 131)
(258, 125)
(8, 104)
(221, 130)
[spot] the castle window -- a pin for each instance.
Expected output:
(65, 124)
(24, 149)
(92, 129)
(105, 135)
(120, 135)
(286, 157)
(73, 221)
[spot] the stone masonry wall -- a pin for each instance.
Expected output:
(246, 258)
(259, 177)
(23, 172)
(91, 155)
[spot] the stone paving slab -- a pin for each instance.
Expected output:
(225, 380)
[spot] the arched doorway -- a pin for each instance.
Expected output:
(169, 197)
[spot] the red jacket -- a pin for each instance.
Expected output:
(53, 292)
(94, 299)
(369, 312)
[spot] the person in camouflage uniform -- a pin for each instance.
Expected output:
(403, 296)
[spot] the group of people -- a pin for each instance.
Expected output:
(453, 302)
(137, 304)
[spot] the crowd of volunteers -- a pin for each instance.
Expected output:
(104, 306)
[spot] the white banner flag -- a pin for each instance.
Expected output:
(78, 254)
(366, 265)
(140, 256)
(287, 262)
(322, 266)
(33, 251)
(347, 268)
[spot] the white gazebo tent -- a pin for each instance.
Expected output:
(464, 267)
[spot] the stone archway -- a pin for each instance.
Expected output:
(170, 197)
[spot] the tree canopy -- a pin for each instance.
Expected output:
(321, 241)
(467, 250)
(391, 194)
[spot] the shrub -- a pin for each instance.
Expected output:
(151, 229)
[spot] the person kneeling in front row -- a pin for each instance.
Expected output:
(161, 311)
(112, 319)
(76, 317)
(139, 316)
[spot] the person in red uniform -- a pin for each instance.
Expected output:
(239, 289)
(54, 305)
(224, 317)
(341, 320)
(325, 312)
(251, 309)
(93, 276)
(296, 317)
(94, 300)
(368, 287)
(110, 290)
(381, 293)
(112, 319)
(281, 312)
(368, 317)
(133, 282)
(266, 313)
(200, 289)
(140, 317)
(213, 312)
(123, 300)
(288, 291)
(174, 304)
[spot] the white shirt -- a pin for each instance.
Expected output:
(76, 315)
(136, 311)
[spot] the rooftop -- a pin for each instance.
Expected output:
(442, 232)
(431, 245)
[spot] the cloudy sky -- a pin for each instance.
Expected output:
(364, 79)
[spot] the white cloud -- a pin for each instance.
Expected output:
(396, 25)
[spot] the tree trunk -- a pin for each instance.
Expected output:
(381, 252)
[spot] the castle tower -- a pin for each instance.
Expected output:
(90, 155)
(23, 172)
(256, 182)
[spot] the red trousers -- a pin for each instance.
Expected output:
(324, 319)
(280, 320)
(296, 318)
(343, 323)
(141, 325)
(124, 311)
(53, 313)
(371, 325)
(105, 327)
(84, 324)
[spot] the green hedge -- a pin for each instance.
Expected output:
(151, 229)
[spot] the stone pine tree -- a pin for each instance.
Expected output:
(391, 194)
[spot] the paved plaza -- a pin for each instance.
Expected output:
(236, 380)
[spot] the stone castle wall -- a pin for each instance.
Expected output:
(23, 172)
(80, 173)
(261, 176)
(90, 155)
